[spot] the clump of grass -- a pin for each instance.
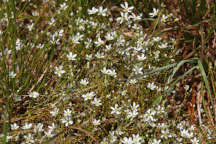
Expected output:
(94, 75)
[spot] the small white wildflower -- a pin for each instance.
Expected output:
(67, 113)
(116, 110)
(54, 112)
(71, 56)
(12, 74)
(96, 102)
(163, 45)
(99, 55)
(154, 13)
(108, 47)
(126, 140)
(164, 18)
(59, 71)
(137, 139)
(124, 17)
(27, 126)
(34, 94)
(84, 82)
(195, 141)
(165, 134)
(151, 86)
(52, 127)
(49, 133)
(30, 26)
(137, 70)
(88, 96)
(125, 7)
(67, 121)
(136, 17)
(101, 11)
(38, 128)
(99, 42)
(155, 141)
(14, 126)
(92, 11)
(156, 39)
(133, 81)
(29, 139)
(96, 122)
(141, 57)
(184, 133)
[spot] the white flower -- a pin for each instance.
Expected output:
(88, 43)
(123, 17)
(109, 72)
(12, 74)
(125, 7)
(29, 139)
(27, 126)
(67, 113)
(38, 128)
(40, 46)
(133, 81)
(92, 11)
(157, 53)
(84, 82)
(108, 47)
(30, 26)
(102, 11)
(54, 112)
(109, 36)
(137, 70)
(154, 13)
(52, 127)
(160, 109)
(59, 71)
(157, 39)
(99, 55)
(151, 86)
(52, 20)
(165, 134)
(149, 115)
(184, 133)
(88, 57)
(141, 57)
(134, 107)
(195, 141)
(71, 56)
(34, 94)
(14, 126)
(96, 122)
(163, 45)
(136, 17)
(112, 73)
(131, 114)
(155, 141)
(137, 139)
(116, 109)
(88, 96)
(164, 18)
(96, 102)
(49, 133)
(99, 42)
(67, 121)
(126, 140)
(18, 44)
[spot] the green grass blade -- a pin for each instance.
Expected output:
(205, 79)
(159, 98)
(178, 66)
